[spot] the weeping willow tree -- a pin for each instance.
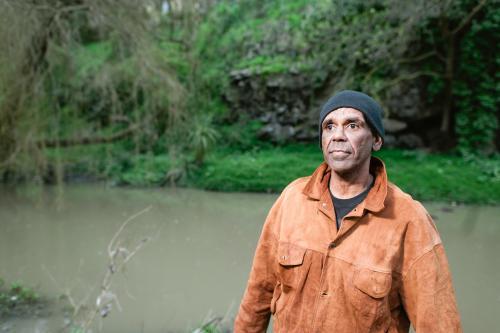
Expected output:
(79, 72)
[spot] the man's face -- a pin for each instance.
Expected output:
(347, 141)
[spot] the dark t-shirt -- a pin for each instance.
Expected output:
(344, 206)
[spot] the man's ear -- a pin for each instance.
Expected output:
(377, 143)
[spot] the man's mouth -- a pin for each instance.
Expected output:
(338, 154)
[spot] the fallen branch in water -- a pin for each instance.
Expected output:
(118, 257)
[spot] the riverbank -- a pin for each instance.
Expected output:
(428, 177)
(18, 300)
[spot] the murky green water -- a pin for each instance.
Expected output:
(196, 265)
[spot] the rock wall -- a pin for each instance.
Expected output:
(280, 101)
(288, 105)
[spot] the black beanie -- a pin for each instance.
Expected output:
(356, 100)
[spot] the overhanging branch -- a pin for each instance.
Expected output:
(469, 17)
(407, 77)
(89, 140)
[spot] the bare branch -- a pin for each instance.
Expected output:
(117, 234)
(469, 17)
(417, 58)
(89, 140)
(106, 297)
(137, 248)
(408, 77)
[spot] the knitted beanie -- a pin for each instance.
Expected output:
(356, 100)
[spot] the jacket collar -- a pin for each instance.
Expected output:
(318, 184)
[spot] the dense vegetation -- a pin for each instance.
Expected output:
(426, 176)
(139, 93)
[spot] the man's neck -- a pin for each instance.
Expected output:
(348, 185)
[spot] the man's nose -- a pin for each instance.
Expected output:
(338, 134)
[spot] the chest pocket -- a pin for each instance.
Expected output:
(375, 284)
(291, 264)
(370, 292)
(292, 271)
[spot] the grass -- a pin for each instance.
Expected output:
(267, 170)
(437, 177)
(429, 177)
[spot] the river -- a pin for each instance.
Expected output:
(195, 265)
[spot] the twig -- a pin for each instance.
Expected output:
(66, 292)
(106, 297)
(132, 217)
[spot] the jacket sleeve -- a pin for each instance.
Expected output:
(255, 308)
(427, 291)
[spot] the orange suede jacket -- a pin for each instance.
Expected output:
(384, 268)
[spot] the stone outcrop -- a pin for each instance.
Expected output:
(280, 101)
(287, 104)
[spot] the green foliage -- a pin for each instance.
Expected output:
(265, 37)
(144, 170)
(242, 137)
(444, 177)
(374, 46)
(201, 137)
(16, 298)
(98, 73)
(267, 170)
(169, 76)
(91, 58)
(437, 177)
(478, 91)
(22, 293)
(75, 329)
(366, 41)
(255, 167)
(115, 164)
(210, 329)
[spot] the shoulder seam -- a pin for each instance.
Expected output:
(418, 258)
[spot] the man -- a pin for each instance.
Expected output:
(344, 250)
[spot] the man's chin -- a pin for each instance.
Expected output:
(340, 166)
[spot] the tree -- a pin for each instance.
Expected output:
(81, 72)
(383, 43)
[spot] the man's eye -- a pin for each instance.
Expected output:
(353, 125)
(329, 126)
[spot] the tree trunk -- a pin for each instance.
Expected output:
(448, 85)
